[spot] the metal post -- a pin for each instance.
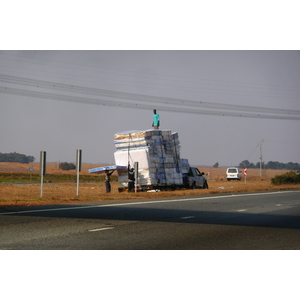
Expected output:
(42, 185)
(42, 169)
(77, 188)
(136, 175)
(78, 168)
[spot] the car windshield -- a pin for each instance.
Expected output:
(232, 170)
(198, 172)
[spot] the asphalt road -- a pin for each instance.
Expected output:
(264, 220)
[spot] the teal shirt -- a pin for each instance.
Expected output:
(156, 119)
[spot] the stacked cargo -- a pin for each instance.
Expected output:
(156, 151)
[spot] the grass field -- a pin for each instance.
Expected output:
(18, 186)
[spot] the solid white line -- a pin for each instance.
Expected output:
(145, 202)
(99, 229)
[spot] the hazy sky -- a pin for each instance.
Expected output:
(248, 80)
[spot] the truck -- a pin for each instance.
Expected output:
(191, 179)
(156, 153)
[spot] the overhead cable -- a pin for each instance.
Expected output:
(75, 99)
(140, 97)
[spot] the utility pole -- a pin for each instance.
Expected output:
(260, 147)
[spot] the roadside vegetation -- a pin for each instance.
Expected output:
(55, 178)
(16, 157)
(19, 186)
(287, 178)
(16, 189)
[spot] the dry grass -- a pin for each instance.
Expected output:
(57, 193)
(29, 194)
(52, 168)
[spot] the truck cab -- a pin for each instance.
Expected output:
(194, 179)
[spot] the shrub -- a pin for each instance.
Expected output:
(67, 166)
(286, 178)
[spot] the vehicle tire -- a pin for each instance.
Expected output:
(194, 185)
(205, 185)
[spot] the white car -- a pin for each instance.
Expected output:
(233, 174)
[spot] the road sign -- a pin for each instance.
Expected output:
(245, 171)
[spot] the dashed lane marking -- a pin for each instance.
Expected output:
(100, 229)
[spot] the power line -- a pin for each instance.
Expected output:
(147, 75)
(112, 103)
(141, 98)
(261, 90)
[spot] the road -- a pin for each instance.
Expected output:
(260, 220)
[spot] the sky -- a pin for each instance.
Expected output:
(224, 81)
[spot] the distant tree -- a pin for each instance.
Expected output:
(64, 166)
(16, 157)
(216, 165)
(72, 166)
(67, 166)
(31, 158)
(274, 165)
(244, 164)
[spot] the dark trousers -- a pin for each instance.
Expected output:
(130, 186)
(108, 187)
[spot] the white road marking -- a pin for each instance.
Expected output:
(242, 209)
(99, 229)
(141, 203)
(189, 217)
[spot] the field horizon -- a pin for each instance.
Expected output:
(62, 188)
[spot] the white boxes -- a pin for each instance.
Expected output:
(156, 151)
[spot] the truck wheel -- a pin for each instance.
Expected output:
(205, 185)
(194, 185)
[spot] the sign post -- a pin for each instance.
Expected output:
(245, 174)
(136, 175)
(78, 168)
(42, 169)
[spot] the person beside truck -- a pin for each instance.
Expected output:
(107, 180)
(131, 178)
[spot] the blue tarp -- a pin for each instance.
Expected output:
(100, 170)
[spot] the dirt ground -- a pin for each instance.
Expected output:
(65, 192)
(53, 168)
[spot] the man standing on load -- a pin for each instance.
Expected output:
(156, 120)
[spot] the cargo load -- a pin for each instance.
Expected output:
(157, 153)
